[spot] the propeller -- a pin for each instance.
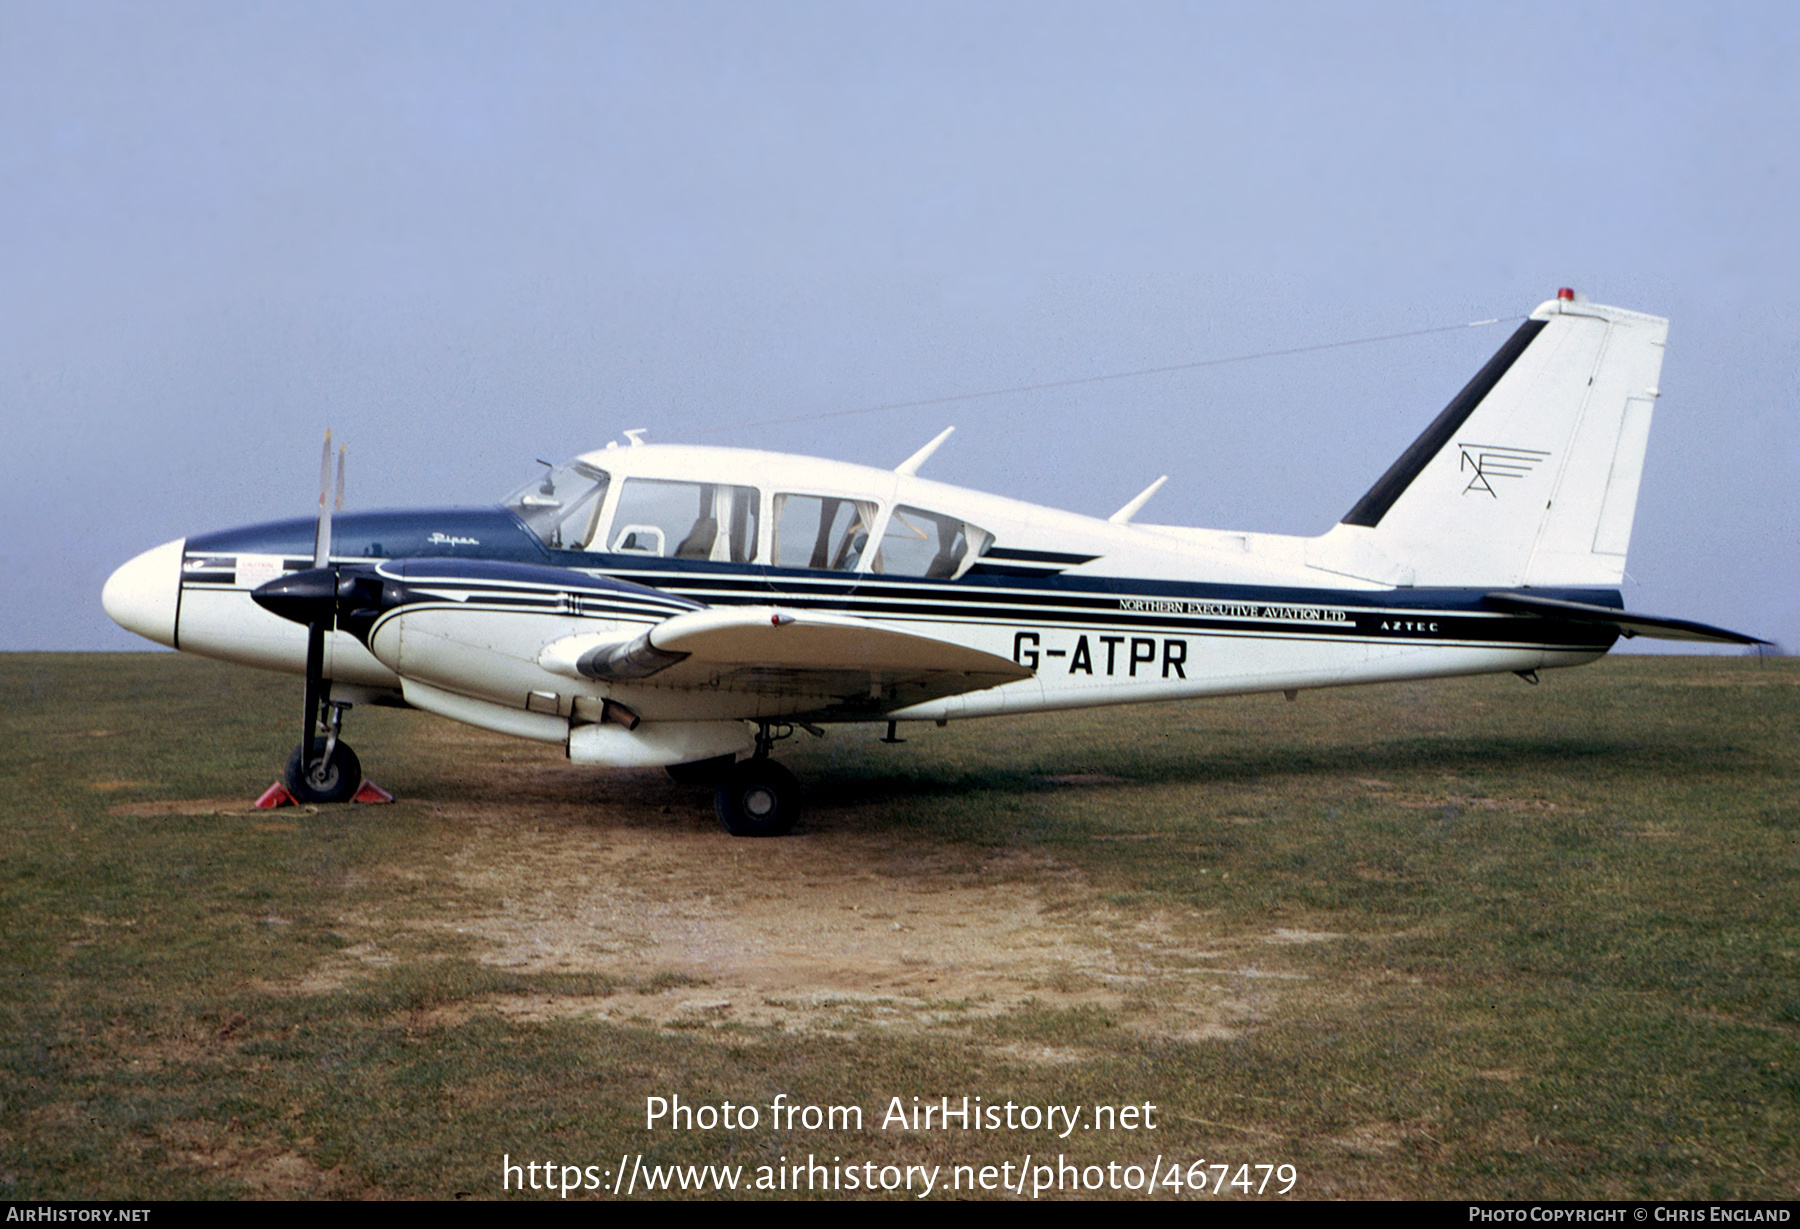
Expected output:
(318, 772)
(327, 596)
(318, 687)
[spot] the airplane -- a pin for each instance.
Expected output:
(688, 607)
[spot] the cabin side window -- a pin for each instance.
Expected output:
(685, 520)
(821, 532)
(928, 544)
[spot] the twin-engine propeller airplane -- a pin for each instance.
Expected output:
(681, 606)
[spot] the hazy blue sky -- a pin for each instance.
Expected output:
(465, 236)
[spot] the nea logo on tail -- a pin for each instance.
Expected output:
(1487, 462)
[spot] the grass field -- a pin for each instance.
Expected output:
(1464, 939)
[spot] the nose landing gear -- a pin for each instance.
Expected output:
(330, 774)
(327, 770)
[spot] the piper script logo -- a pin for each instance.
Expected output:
(1486, 462)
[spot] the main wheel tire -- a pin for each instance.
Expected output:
(317, 779)
(758, 798)
(702, 772)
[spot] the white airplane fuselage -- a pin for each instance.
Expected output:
(1101, 613)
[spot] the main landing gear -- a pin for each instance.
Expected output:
(757, 796)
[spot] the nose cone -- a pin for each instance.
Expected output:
(143, 595)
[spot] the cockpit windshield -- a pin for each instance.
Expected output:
(562, 506)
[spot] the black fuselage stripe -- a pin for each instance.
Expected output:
(1065, 596)
(1449, 629)
(1036, 556)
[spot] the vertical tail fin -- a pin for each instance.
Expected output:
(1528, 477)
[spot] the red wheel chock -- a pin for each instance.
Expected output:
(369, 793)
(276, 796)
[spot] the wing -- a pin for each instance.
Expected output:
(831, 665)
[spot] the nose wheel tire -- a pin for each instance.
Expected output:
(758, 798)
(316, 778)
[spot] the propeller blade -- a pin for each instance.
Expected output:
(338, 506)
(322, 538)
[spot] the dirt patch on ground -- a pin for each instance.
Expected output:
(269, 1171)
(828, 931)
(227, 808)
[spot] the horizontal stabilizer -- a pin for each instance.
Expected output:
(1654, 626)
